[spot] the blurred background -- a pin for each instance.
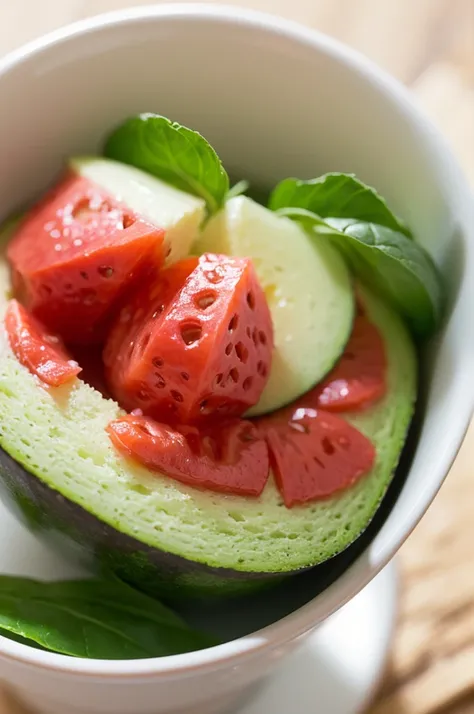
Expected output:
(428, 45)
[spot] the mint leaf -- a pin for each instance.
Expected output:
(173, 153)
(388, 261)
(337, 195)
(97, 619)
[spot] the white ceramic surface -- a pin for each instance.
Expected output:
(338, 668)
(338, 665)
(276, 100)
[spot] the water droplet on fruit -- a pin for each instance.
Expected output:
(298, 426)
(215, 275)
(77, 242)
(303, 412)
(105, 271)
(55, 234)
(58, 247)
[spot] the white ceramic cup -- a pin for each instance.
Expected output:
(276, 100)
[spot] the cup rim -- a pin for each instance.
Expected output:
(359, 574)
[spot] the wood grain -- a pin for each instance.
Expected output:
(429, 44)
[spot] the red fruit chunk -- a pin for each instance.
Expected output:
(358, 379)
(314, 454)
(75, 254)
(196, 345)
(43, 354)
(230, 459)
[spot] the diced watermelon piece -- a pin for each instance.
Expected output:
(359, 378)
(229, 459)
(76, 253)
(43, 354)
(314, 454)
(196, 345)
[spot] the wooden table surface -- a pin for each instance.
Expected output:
(429, 45)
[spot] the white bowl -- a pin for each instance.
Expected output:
(276, 100)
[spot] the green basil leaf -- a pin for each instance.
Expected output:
(22, 640)
(386, 260)
(173, 153)
(97, 619)
(337, 195)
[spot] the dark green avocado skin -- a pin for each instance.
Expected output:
(73, 530)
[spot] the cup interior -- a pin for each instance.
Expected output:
(275, 100)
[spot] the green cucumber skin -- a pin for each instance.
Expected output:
(76, 533)
(98, 545)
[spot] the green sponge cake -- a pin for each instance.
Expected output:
(61, 469)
